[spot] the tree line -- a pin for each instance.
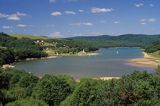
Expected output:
(19, 88)
(13, 49)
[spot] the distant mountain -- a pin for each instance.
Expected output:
(125, 36)
(129, 40)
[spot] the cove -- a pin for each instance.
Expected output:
(110, 62)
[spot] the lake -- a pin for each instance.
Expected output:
(111, 62)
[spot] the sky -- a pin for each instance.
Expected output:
(67, 18)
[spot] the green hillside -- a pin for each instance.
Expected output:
(28, 36)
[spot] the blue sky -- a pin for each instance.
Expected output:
(65, 18)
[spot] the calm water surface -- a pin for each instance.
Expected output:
(109, 62)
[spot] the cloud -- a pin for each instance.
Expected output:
(13, 17)
(55, 35)
(56, 13)
(139, 4)
(3, 15)
(81, 10)
(70, 12)
(6, 27)
(143, 20)
(151, 5)
(143, 23)
(116, 22)
(101, 10)
(152, 20)
(21, 25)
(16, 16)
(52, 1)
(82, 24)
(149, 20)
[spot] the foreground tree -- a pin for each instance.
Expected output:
(52, 89)
(27, 102)
(89, 92)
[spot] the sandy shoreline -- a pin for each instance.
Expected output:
(107, 78)
(146, 61)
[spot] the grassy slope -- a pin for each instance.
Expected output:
(28, 36)
(156, 54)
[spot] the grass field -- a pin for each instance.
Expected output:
(28, 36)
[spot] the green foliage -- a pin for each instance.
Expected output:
(128, 40)
(153, 47)
(4, 79)
(6, 56)
(87, 93)
(4, 38)
(136, 89)
(152, 102)
(52, 89)
(12, 49)
(16, 93)
(27, 102)
(70, 80)
(15, 85)
(20, 36)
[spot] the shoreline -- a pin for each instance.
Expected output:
(12, 65)
(106, 78)
(101, 78)
(146, 61)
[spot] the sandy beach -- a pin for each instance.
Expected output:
(147, 61)
(107, 78)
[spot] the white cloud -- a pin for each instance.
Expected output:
(16, 16)
(82, 24)
(143, 23)
(70, 12)
(81, 10)
(116, 22)
(139, 4)
(6, 27)
(55, 35)
(56, 13)
(52, 1)
(143, 20)
(152, 20)
(146, 21)
(21, 25)
(13, 17)
(101, 10)
(21, 14)
(3, 15)
(151, 5)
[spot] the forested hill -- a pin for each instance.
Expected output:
(18, 48)
(131, 40)
(120, 37)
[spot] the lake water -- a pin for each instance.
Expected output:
(109, 62)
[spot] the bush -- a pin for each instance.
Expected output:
(52, 89)
(27, 102)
